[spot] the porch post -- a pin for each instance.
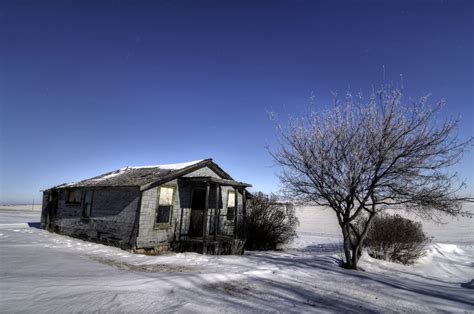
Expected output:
(216, 212)
(204, 218)
(181, 224)
(236, 191)
(244, 210)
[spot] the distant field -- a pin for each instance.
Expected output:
(12, 214)
(317, 219)
(21, 207)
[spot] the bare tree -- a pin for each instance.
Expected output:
(361, 157)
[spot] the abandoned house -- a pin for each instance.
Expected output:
(194, 206)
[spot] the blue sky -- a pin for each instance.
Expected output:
(88, 87)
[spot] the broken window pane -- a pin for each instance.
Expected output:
(230, 206)
(231, 213)
(163, 214)
(165, 205)
(166, 196)
(74, 196)
(231, 199)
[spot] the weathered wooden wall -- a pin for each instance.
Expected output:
(150, 235)
(112, 218)
(202, 172)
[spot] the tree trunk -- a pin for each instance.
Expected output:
(352, 246)
(349, 264)
(355, 256)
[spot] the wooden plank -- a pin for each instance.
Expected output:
(236, 211)
(205, 218)
(216, 212)
(223, 182)
(244, 210)
(181, 223)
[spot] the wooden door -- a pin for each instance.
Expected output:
(197, 211)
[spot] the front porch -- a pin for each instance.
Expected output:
(213, 228)
(223, 245)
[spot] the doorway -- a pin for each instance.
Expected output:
(197, 212)
(52, 209)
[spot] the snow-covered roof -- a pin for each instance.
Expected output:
(170, 166)
(142, 175)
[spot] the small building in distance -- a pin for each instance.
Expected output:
(194, 206)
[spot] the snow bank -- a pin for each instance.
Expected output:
(469, 284)
(446, 262)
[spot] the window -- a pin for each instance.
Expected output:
(87, 205)
(230, 206)
(165, 206)
(73, 197)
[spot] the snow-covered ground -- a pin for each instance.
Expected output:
(45, 272)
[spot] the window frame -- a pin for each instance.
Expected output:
(169, 224)
(230, 221)
(76, 203)
(83, 209)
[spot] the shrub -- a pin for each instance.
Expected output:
(396, 239)
(269, 223)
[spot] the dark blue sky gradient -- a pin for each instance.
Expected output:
(91, 86)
